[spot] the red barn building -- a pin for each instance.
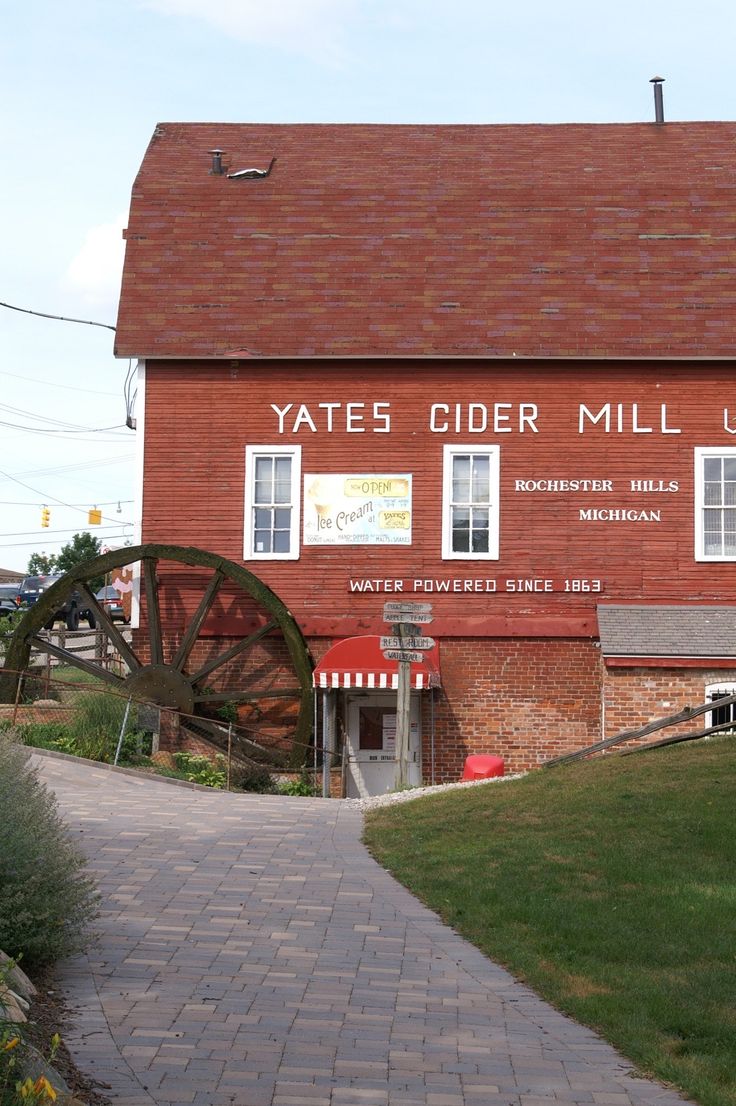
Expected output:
(485, 367)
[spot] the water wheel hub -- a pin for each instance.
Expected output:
(162, 685)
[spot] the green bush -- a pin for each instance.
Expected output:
(304, 785)
(46, 902)
(95, 725)
(41, 735)
(200, 769)
(252, 777)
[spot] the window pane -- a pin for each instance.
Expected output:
(480, 518)
(711, 494)
(282, 518)
(729, 468)
(262, 491)
(729, 492)
(481, 479)
(262, 518)
(461, 479)
(729, 520)
(264, 468)
(282, 491)
(281, 541)
(480, 541)
(712, 544)
(262, 541)
(461, 530)
(712, 468)
(729, 544)
(712, 521)
(282, 480)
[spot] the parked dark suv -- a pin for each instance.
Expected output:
(70, 612)
(8, 599)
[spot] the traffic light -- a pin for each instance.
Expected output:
(45, 516)
(94, 516)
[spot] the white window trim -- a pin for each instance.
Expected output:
(701, 452)
(723, 687)
(493, 454)
(251, 452)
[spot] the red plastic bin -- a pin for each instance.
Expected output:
(482, 767)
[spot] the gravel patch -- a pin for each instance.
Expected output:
(390, 797)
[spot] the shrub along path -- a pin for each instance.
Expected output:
(252, 953)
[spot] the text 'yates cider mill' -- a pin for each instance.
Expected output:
(472, 418)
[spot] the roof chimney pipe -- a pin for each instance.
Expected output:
(658, 99)
(217, 167)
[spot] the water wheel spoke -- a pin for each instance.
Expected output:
(104, 620)
(233, 651)
(153, 610)
(198, 619)
(75, 661)
(249, 696)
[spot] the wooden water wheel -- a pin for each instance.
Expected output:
(214, 640)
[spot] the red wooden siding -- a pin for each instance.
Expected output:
(199, 418)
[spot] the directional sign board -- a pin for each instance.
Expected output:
(404, 617)
(407, 643)
(402, 655)
(406, 607)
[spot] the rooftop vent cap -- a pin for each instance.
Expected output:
(658, 99)
(218, 168)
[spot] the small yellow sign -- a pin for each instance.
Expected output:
(388, 486)
(394, 520)
(94, 517)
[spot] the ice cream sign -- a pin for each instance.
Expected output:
(357, 509)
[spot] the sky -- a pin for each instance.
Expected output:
(84, 83)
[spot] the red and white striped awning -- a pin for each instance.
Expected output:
(358, 662)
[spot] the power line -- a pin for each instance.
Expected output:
(39, 503)
(53, 499)
(57, 318)
(66, 530)
(119, 460)
(20, 544)
(50, 384)
(82, 429)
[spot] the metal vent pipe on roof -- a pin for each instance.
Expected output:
(217, 166)
(658, 99)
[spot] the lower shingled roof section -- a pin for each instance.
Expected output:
(667, 631)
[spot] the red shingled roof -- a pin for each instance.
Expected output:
(539, 241)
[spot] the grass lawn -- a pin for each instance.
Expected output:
(608, 886)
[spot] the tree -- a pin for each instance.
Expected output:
(82, 547)
(41, 564)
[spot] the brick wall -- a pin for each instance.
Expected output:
(635, 696)
(526, 700)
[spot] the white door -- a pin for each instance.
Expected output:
(372, 766)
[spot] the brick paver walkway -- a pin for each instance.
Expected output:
(252, 953)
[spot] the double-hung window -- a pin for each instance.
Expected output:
(470, 503)
(715, 503)
(272, 482)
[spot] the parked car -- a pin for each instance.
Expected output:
(70, 612)
(111, 599)
(9, 593)
(7, 606)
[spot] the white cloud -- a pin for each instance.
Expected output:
(94, 271)
(314, 27)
